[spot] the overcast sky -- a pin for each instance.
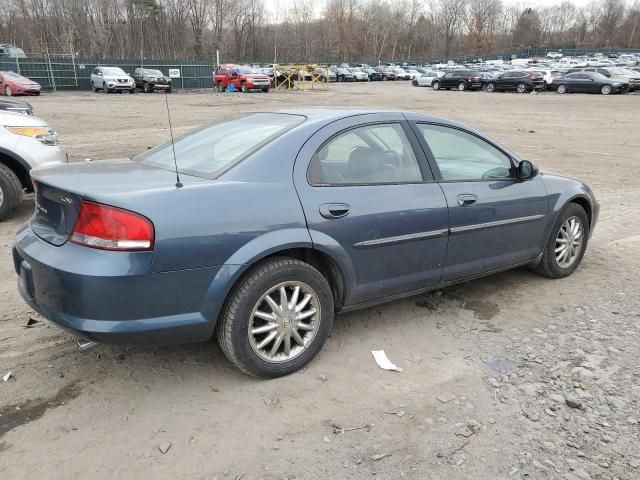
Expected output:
(273, 6)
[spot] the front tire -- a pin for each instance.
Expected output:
(436, 85)
(606, 89)
(491, 87)
(567, 244)
(147, 88)
(521, 88)
(562, 89)
(243, 87)
(277, 318)
(10, 191)
(265, 89)
(7, 91)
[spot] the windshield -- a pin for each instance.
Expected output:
(113, 71)
(617, 71)
(153, 72)
(246, 70)
(212, 148)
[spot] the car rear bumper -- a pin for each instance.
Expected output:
(111, 297)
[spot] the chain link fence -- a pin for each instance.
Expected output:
(67, 72)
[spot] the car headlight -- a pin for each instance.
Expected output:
(44, 135)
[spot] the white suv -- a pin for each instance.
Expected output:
(112, 79)
(26, 142)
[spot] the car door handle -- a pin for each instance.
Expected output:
(467, 199)
(334, 210)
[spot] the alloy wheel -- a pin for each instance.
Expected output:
(284, 322)
(7, 91)
(522, 88)
(606, 89)
(569, 241)
(491, 88)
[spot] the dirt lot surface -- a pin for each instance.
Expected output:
(512, 376)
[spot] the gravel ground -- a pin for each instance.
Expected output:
(512, 376)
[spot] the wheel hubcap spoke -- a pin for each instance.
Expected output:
(280, 330)
(568, 244)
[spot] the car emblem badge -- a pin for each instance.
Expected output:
(286, 322)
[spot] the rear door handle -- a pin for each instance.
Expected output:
(467, 199)
(334, 210)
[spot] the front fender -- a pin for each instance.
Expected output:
(562, 191)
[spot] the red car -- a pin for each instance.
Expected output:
(242, 77)
(13, 84)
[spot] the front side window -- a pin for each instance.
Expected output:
(463, 156)
(216, 146)
(371, 154)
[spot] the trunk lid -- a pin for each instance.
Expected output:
(60, 191)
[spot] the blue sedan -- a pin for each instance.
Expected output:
(278, 221)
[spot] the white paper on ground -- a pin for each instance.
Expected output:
(383, 361)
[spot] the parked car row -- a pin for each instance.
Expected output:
(524, 78)
(115, 79)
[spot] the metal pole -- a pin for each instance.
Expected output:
(53, 82)
(182, 76)
(18, 64)
(73, 62)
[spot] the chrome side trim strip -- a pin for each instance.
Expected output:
(497, 223)
(401, 238)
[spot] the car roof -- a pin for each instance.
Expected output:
(330, 114)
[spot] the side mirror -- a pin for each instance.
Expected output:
(526, 169)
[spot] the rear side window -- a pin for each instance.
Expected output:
(371, 154)
(213, 148)
(462, 156)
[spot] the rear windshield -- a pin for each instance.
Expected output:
(214, 147)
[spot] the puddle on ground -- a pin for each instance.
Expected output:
(13, 416)
(481, 309)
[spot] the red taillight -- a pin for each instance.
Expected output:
(111, 228)
(469, 79)
(532, 76)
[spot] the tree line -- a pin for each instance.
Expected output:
(311, 30)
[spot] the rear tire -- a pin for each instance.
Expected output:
(220, 87)
(93, 87)
(521, 88)
(10, 191)
(243, 87)
(491, 87)
(241, 345)
(147, 88)
(550, 266)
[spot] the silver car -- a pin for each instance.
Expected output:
(26, 142)
(112, 79)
